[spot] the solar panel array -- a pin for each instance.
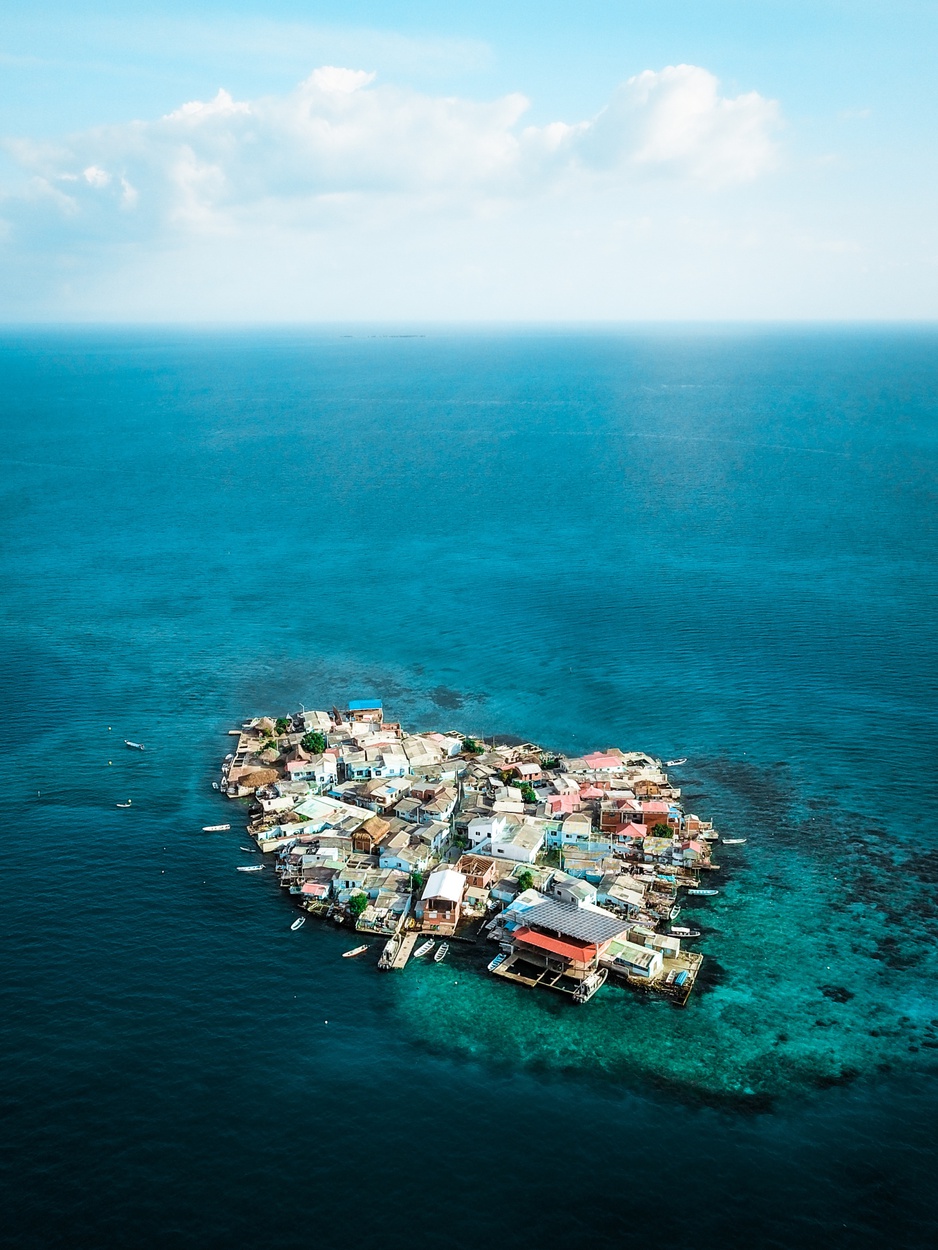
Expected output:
(575, 922)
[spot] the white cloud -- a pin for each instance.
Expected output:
(344, 166)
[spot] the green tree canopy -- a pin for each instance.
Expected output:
(357, 904)
(314, 742)
(282, 724)
(661, 830)
(525, 879)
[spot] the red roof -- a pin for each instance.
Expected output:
(582, 952)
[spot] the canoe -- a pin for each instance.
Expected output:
(441, 952)
(734, 841)
(251, 868)
(423, 949)
(356, 950)
(497, 962)
(215, 828)
(134, 746)
(702, 893)
(248, 850)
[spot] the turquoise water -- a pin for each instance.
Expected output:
(715, 544)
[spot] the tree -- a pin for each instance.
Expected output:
(528, 793)
(357, 904)
(525, 879)
(661, 831)
(471, 747)
(282, 724)
(549, 762)
(314, 742)
(417, 879)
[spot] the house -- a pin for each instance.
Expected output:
(366, 711)
(410, 810)
(486, 829)
(637, 961)
(441, 899)
(521, 843)
(562, 936)
(480, 871)
(442, 807)
(571, 890)
(319, 770)
(368, 834)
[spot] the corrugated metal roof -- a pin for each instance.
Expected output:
(576, 922)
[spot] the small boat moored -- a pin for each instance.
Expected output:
(682, 931)
(423, 949)
(701, 893)
(734, 841)
(215, 828)
(497, 962)
(298, 923)
(674, 912)
(251, 868)
(129, 803)
(134, 746)
(248, 850)
(356, 950)
(676, 763)
(441, 952)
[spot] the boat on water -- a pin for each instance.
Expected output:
(734, 841)
(682, 931)
(129, 803)
(423, 949)
(676, 763)
(215, 828)
(356, 950)
(298, 923)
(215, 785)
(248, 850)
(586, 989)
(134, 746)
(251, 868)
(707, 893)
(497, 962)
(441, 952)
(674, 912)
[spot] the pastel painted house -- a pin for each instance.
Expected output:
(441, 899)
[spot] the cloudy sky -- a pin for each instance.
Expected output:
(523, 161)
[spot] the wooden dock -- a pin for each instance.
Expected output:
(398, 950)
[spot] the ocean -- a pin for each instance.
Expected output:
(717, 543)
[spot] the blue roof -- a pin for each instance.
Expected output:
(363, 705)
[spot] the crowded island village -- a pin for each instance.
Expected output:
(563, 873)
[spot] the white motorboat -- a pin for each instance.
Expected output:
(682, 931)
(703, 893)
(674, 912)
(298, 923)
(356, 950)
(677, 763)
(248, 850)
(215, 828)
(129, 803)
(251, 868)
(215, 785)
(441, 952)
(734, 841)
(134, 746)
(424, 949)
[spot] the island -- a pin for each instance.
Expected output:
(572, 868)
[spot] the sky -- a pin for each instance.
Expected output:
(597, 161)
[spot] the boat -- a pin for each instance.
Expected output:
(682, 931)
(676, 763)
(248, 850)
(129, 803)
(423, 949)
(215, 785)
(497, 962)
(700, 893)
(298, 922)
(734, 841)
(134, 746)
(356, 950)
(674, 912)
(215, 828)
(669, 980)
(251, 868)
(681, 977)
(441, 952)
(587, 988)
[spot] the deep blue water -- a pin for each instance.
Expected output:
(718, 544)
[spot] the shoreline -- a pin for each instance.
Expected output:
(572, 870)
